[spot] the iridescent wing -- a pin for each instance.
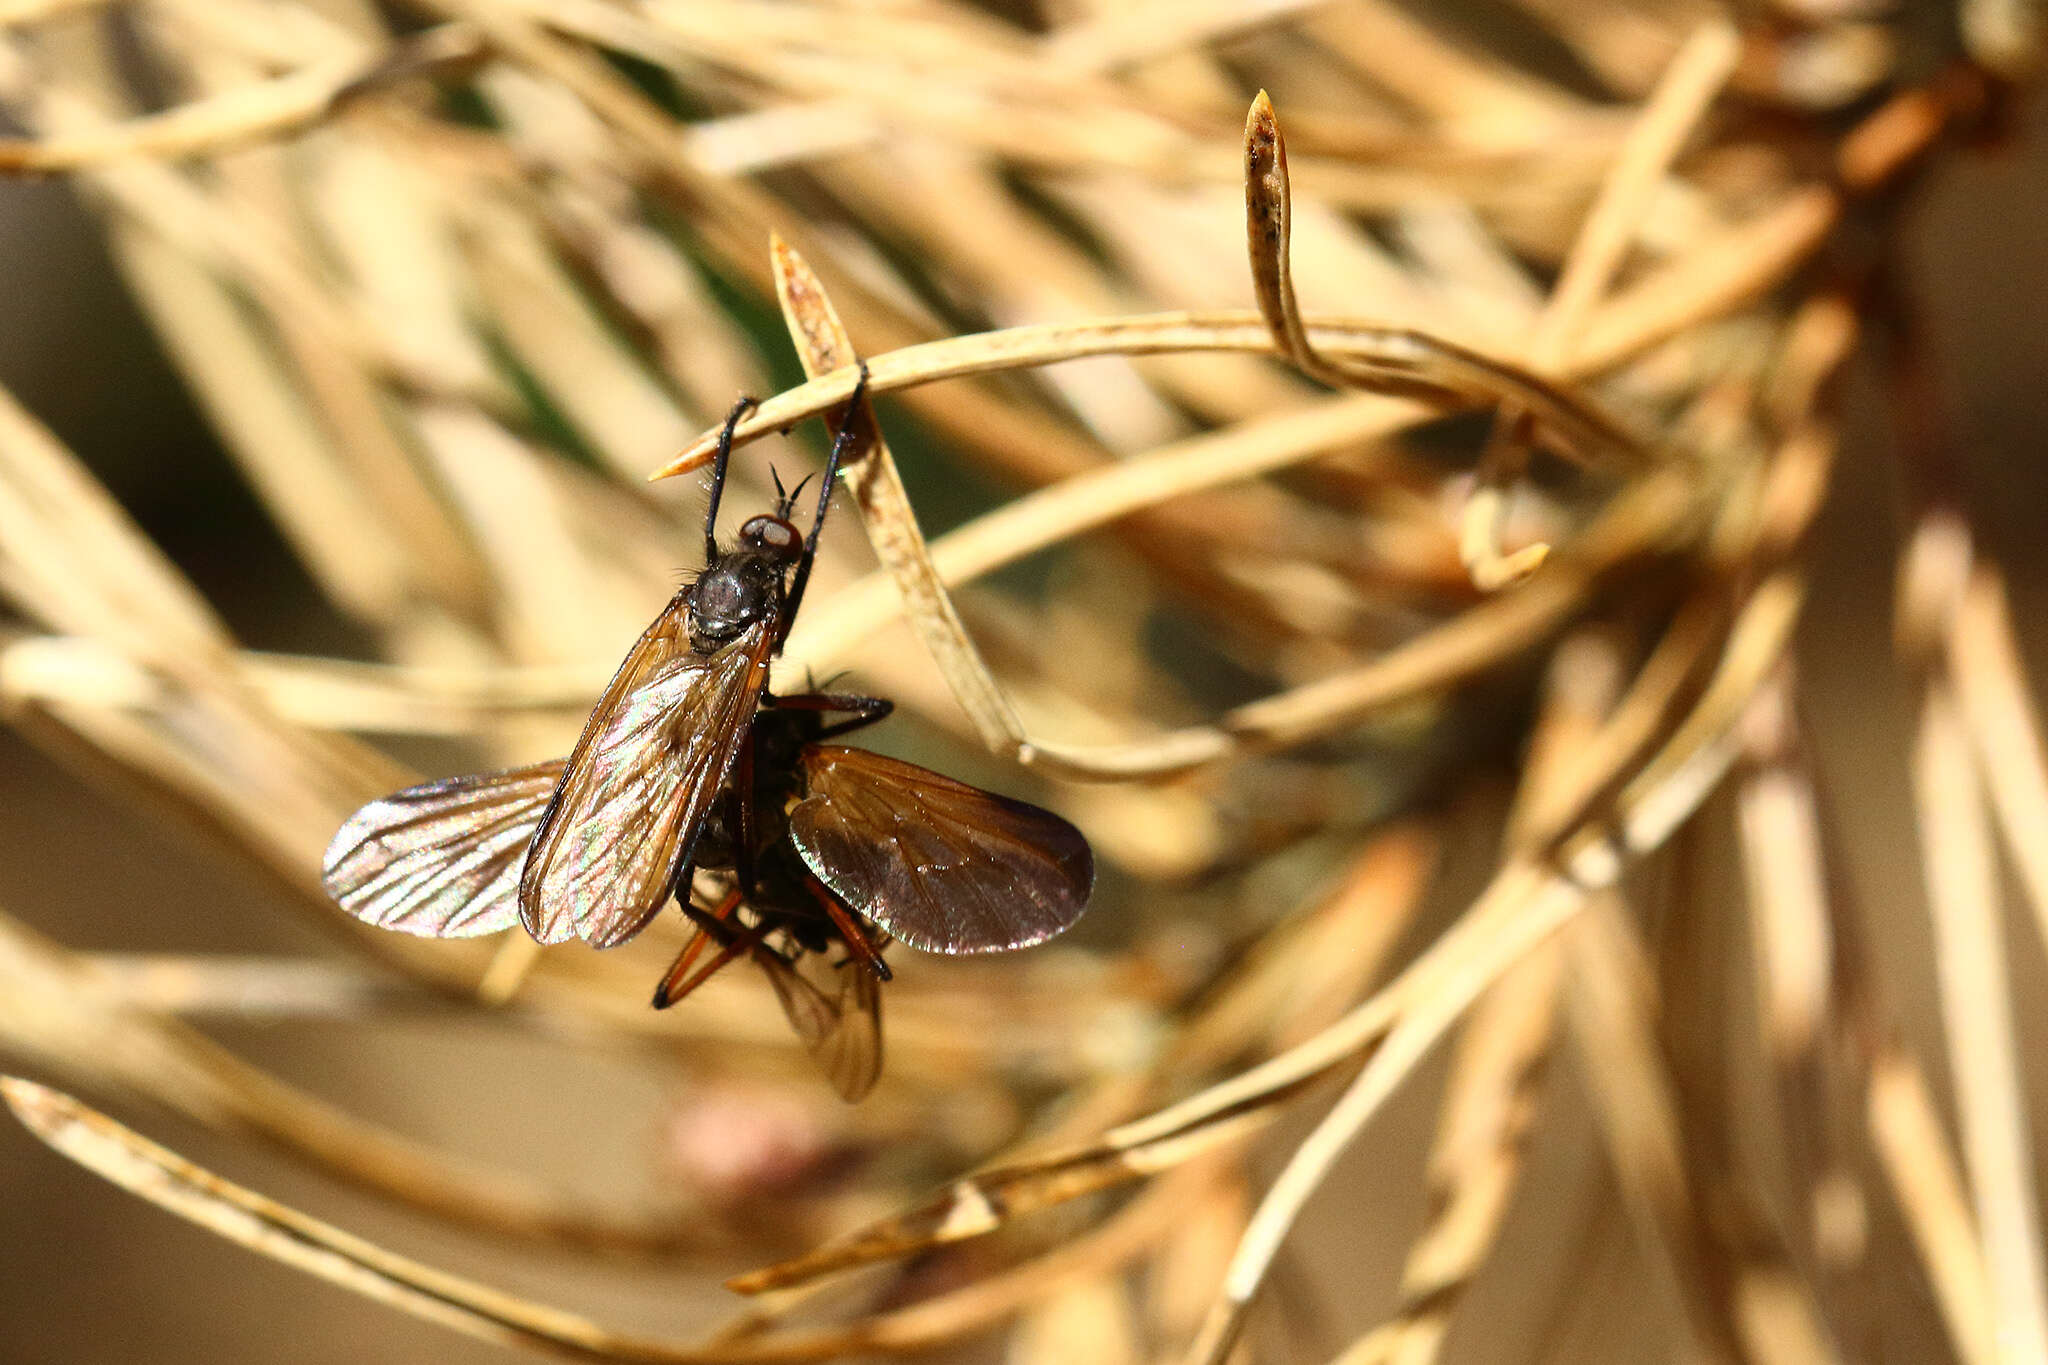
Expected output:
(441, 859)
(652, 761)
(843, 1034)
(945, 867)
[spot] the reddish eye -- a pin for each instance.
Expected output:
(770, 533)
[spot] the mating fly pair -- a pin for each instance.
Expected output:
(689, 763)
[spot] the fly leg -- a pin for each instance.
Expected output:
(710, 924)
(850, 930)
(732, 419)
(860, 711)
(842, 441)
(668, 993)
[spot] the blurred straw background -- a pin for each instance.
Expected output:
(1520, 553)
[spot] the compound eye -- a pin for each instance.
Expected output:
(772, 534)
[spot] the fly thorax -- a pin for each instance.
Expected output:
(725, 601)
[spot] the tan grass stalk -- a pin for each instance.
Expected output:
(264, 1226)
(1682, 97)
(1977, 1014)
(1994, 696)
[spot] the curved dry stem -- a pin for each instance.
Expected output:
(1683, 95)
(1268, 230)
(918, 576)
(1403, 362)
(1641, 521)
(1269, 235)
(248, 1219)
(318, 693)
(1722, 272)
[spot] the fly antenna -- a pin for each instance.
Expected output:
(786, 497)
(789, 498)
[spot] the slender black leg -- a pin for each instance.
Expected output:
(679, 883)
(862, 711)
(842, 441)
(732, 419)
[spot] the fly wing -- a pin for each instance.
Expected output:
(843, 1035)
(652, 760)
(945, 867)
(441, 859)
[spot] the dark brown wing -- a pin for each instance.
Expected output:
(441, 859)
(652, 760)
(943, 866)
(843, 1035)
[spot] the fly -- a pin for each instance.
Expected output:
(688, 762)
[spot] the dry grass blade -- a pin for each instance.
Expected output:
(1503, 1055)
(1907, 1133)
(1537, 907)
(1303, 977)
(1650, 516)
(1977, 1015)
(1807, 957)
(1269, 233)
(318, 1248)
(1400, 362)
(1991, 688)
(72, 556)
(1668, 118)
(1489, 1113)
(143, 1168)
(246, 113)
(1269, 236)
(870, 472)
(1779, 828)
(892, 526)
(1613, 1015)
(735, 218)
(1661, 128)
(1524, 905)
(1659, 797)
(256, 988)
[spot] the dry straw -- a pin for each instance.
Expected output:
(449, 298)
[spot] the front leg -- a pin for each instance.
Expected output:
(860, 711)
